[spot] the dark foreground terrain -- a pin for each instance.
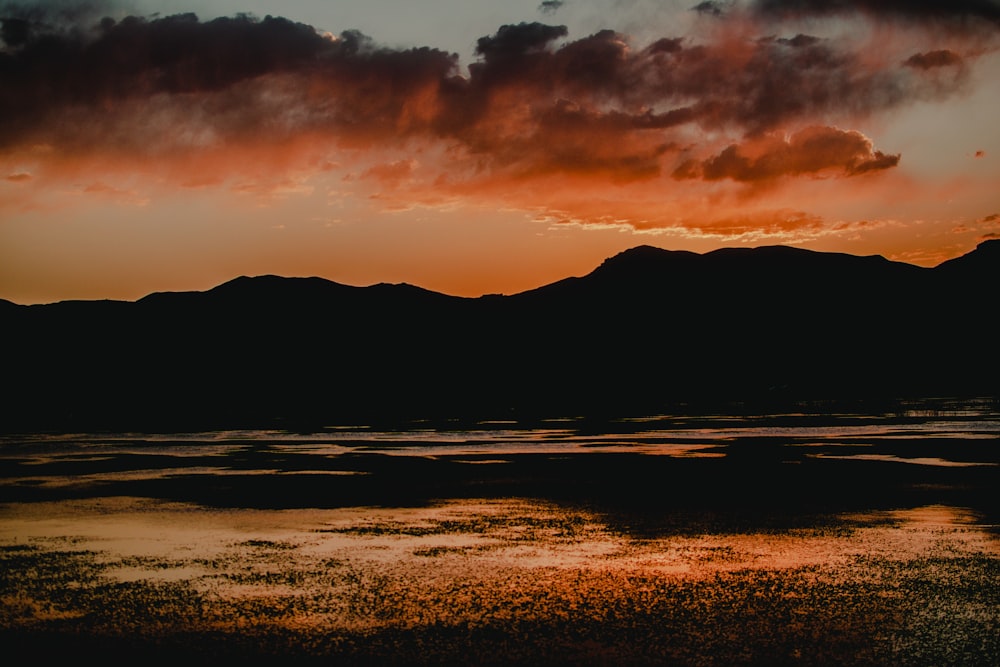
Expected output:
(814, 539)
(935, 609)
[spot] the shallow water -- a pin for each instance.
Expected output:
(796, 538)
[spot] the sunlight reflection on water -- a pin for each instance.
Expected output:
(917, 460)
(692, 441)
(237, 554)
(92, 523)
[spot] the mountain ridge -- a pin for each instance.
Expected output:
(645, 331)
(986, 254)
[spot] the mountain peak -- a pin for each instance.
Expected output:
(985, 259)
(990, 247)
(643, 261)
(643, 253)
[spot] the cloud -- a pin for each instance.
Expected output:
(710, 7)
(120, 195)
(550, 6)
(811, 151)
(541, 119)
(22, 22)
(933, 59)
(18, 177)
(514, 41)
(191, 82)
(773, 224)
(234, 69)
(392, 172)
(916, 10)
(147, 87)
(15, 32)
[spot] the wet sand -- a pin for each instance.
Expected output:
(851, 542)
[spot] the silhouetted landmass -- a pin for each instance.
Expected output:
(646, 330)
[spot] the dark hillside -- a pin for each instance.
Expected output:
(646, 330)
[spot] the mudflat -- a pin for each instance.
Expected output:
(784, 539)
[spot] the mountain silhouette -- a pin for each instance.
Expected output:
(983, 261)
(647, 330)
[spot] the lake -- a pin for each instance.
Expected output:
(813, 536)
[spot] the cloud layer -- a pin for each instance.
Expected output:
(739, 103)
(913, 10)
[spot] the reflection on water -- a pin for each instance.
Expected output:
(467, 535)
(660, 541)
(510, 565)
(915, 460)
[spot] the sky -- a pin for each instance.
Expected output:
(479, 147)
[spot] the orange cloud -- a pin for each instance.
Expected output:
(391, 172)
(594, 126)
(763, 224)
(933, 59)
(811, 151)
(146, 87)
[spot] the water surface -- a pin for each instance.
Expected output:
(812, 538)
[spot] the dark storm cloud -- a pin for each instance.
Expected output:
(15, 32)
(50, 79)
(761, 85)
(57, 16)
(512, 41)
(24, 22)
(172, 54)
(976, 10)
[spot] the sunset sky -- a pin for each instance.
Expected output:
(477, 146)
